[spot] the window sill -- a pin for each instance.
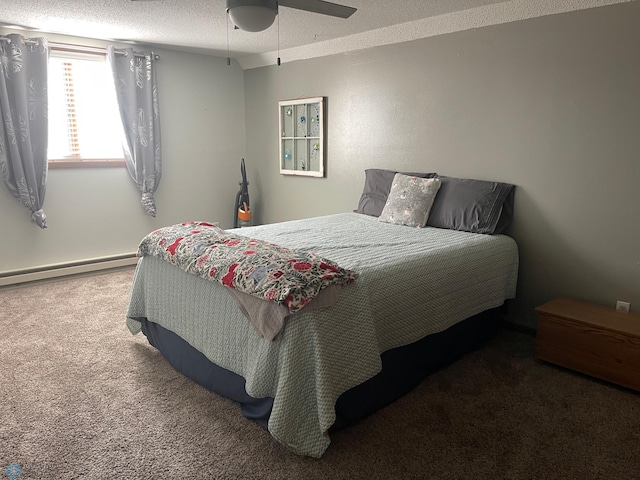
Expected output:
(87, 163)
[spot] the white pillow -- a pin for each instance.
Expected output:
(410, 200)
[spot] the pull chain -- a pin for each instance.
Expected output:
(278, 40)
(228, 56)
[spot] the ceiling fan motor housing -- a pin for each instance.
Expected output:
(252, 15)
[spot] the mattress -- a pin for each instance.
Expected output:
(412, 283)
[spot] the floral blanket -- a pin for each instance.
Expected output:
(291, 278)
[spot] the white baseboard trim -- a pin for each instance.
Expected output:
(46, 272)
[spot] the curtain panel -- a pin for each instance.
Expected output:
(24, 130)
(134, 75)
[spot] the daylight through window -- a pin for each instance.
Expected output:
(84, 123)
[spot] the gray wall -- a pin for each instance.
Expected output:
(95, 212)
(550, 104)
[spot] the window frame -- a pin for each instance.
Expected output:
(82, 53)
(86, 163)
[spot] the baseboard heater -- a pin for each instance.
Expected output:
(45, 272)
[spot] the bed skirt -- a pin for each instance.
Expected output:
(403, 368)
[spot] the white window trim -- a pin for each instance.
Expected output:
(83, 53)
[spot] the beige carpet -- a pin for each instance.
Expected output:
(83, 398)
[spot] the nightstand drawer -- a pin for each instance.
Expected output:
(591, 339)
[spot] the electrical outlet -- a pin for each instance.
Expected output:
(622, 307)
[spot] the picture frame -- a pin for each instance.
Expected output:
(301, 127)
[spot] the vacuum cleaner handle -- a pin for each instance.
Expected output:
(244, 186)
(242, 200)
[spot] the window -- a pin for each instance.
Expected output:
(84, 122)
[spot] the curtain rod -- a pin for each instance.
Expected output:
(69, 47)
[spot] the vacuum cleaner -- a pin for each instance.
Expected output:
(242, 214)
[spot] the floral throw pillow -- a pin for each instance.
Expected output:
(410, 200)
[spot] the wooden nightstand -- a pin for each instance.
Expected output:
(592, 339)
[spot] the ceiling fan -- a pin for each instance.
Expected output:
(258, 15)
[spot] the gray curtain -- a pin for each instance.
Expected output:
(134, 74)
(24, 130)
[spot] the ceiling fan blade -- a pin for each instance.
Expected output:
(319, 6)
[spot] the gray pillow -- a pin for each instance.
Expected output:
(507, 212)
(377, 185)
(472, 205)
(410, 200)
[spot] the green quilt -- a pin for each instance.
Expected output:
(412, 282)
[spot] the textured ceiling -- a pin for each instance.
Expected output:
(201, 25)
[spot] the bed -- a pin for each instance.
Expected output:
(422, 298)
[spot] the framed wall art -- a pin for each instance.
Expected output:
(302, 136)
